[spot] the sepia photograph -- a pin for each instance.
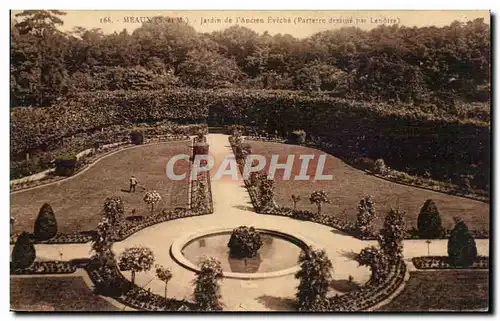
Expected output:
(250, 161)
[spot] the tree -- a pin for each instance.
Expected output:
(164, 274)
(207, 289)
(23, 254)
(319, 197)
(39, 27)
(45, 224)
(136, 259)
(462, 249)
(152, 198)
(39, 22)
(376, 260)
(392, 234)
(205, 69)
(315, 276)
(365, 217)
(429, 221)
(167, 38)
(295, 200)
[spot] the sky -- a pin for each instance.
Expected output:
(300, 24)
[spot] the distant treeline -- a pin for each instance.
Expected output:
(443, 67)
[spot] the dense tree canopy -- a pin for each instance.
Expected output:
(429, 65)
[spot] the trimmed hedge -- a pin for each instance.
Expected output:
(444, 262)
(403, 135)
(46, 267)
(66, 165)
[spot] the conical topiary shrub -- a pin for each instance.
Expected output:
(462, 249)
(45, 224)
(23, 254)
(429, 221)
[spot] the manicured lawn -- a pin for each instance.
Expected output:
(56, 294)
(349, 185)
(442, 290)
(77, 202)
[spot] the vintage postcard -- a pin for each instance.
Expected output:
(300, 161)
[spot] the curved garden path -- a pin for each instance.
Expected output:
(232, 208)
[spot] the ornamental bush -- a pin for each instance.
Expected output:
(245, 242)
(392, 234)
(429, 221)
(23, 254)
(266, 193)
(462, 249)
(114, 209)
(364, 163)
(136, 259)
(319, 197)
(45, 224)
(315, 276)
(365, 217)
(298, 137)
(379, 167)
(66, 164)
(137, 138)
(152, 198)
(164, 274)
(376, 260)
(207, 289)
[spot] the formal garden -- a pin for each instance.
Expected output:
(146, 245)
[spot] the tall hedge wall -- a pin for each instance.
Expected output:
(405, 136)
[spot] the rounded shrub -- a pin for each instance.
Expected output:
(364, 163)
(45, 224)
(298, 137)
(462, 250)
(245, 242)
(66, 164)
(380, 167)
(137, 138)
(429, 221)
(23, 254)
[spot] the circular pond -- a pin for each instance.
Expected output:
(277, 256)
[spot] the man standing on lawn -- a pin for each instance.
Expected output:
(133, 183)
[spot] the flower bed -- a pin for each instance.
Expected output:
(442, 262)
(62, 238)
(371, 293)
(128, 228)
(46, 267)
(110, 282)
